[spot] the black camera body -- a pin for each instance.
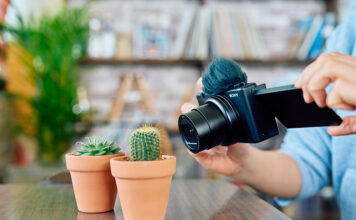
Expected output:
(255, 123)
(247, 113)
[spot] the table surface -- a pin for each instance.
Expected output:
(189, 199)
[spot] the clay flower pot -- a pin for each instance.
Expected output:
(143, 186)
(94, 187)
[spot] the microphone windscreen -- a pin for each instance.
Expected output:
(221, 75)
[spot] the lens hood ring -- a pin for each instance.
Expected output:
(228, 111)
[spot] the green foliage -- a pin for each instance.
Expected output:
(97, 147)
(145, 144)
(56, 43)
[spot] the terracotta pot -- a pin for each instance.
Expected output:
(94, 187)
(143, 186)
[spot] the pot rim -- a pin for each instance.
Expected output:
(143, 169)
(89, 163)
(72, 154)
(164, 157)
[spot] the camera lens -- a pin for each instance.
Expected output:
(190, 133)
(208, 125)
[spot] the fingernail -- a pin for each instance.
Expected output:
(320, 103)
(306, 98)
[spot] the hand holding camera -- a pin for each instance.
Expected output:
(250, 165)
(233, 113)
(232, 110)
(225, 160)
(338, 69)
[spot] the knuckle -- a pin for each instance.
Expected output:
(330, 101)
(313, 89)
(328, 59)
(323, 57)
(337, 85)
(334, 53)
(319, 95)
(328, 65)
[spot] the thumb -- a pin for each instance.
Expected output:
(347, 127)
(187, 107)
(200, 84)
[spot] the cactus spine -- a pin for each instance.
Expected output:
(145, 144)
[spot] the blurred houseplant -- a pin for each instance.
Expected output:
(53, 46)
(5, 134)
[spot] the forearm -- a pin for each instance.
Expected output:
(271, 172)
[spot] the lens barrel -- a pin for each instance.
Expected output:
(208, 125)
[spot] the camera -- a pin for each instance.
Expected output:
(247, 113)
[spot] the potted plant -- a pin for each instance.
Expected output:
(143, 180)
(42, 63)
(89, 167)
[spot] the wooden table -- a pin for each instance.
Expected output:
(189, 199)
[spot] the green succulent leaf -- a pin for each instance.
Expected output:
(97, 147)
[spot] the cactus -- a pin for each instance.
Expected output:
(97, 147)
(145, 144)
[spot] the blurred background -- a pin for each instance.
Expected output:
(73, 69)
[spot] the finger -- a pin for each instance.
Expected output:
(308, 72)
(342, 95)
(200, 157)
(200, 84)
(221, 149)
(216, 160)
(316, 69)
(304, 80)
(316, 88)
(205, 157)
(307, 97)
(208, 154)
(344, 107)
(298, 82)
(316, 82)
(347, 70)
(213, 151)
(187, 107)
(319, 97)
(348, 126)
(332, 66)
(193, 154)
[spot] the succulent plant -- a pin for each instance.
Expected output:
(97, 147)
(145, 144)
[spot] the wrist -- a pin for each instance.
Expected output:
(247, 164)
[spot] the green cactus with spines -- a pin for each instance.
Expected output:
(97, 147)
(145, 144)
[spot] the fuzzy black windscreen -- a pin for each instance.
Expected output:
(221, 75)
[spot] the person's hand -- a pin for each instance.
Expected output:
(269, 172)
(340, 70)
(224, 160)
